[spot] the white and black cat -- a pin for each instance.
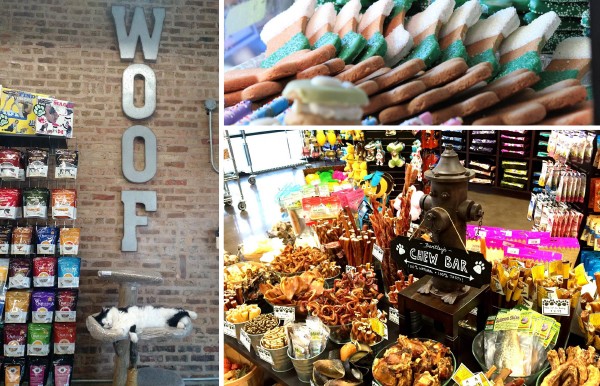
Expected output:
(135, 319)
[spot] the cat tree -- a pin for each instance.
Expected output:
(125, 372)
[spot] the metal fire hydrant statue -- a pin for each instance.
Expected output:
(446, 213)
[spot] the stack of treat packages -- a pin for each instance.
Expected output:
(483, 141)
(39, 267)
(514, 145)
(456, 138)
(485, 172)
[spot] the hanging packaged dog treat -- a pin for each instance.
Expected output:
(68, 272)
(66, 306)
(69, 241)
(10, 203)
(17, 306)
(5, 239)
(46, 238)
(64, 338)
(35, 202)
(38, 371)
(11, 165)
(44, 271)
(64, 203)
(66, 164)
(19, 273)
(42, 306)
(56, 119)
(38, 339)
(15, 339)
(63, 369)
(37, 163)
(21, 240)
(14, 371)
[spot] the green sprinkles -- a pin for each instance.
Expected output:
(376, 46)
(529, 61)
(486, 56)
(329, 38)
(455, 50)
(296, 43)
(352, 45)
(548, 78)
(557, 38)
(428, 50)
(570, 8)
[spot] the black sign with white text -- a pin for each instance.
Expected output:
(418, 256)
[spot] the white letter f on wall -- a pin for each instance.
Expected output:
(139, 30)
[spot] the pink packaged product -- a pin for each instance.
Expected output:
(350, 197)
(527, 253)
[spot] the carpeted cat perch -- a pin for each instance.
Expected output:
(126, 372)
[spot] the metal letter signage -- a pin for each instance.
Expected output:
(128, 87)
(130, 198)
(139, 30)
(138, 176)
(127, 47)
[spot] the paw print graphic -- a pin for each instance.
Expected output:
(400, 250)
(39, 110)
(3, 120)
(479, 267)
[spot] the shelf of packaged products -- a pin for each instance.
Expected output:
(43, 141)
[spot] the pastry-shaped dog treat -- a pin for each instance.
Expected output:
(399, 43)
(324, 101)
(430, 21)
(454, 31)
(329, 38)
(529, 38)
(370, 77)
(361, 70)
(297, 43)
(236, 80)
(280, 29)
(397, 15)
(394, 77)
(530, 61)
(376, 46)
(352, 45)
(321, 22)
(571, 60)
(347, 18)
(372, 20)
(331, 67)
(484, 37)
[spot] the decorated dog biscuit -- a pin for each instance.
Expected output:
(361, 70)
(329, 38)
(429, 21)
(580, 114)
(331, 67)
(399, 43)
(237, 112)
(376, 46)
(461, 20)
(347, 18)
(529, 38)
(571, 60)
(568, 9)
(396, 17)
(235, 80)
(393, 77)
(372, 20)
(530, 61)
(280, 29)
(297, 43)
(487, 34)
(428, 51)
(269, 110)
(352, 46)
(321, 22)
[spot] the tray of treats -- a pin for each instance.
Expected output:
(417, 62)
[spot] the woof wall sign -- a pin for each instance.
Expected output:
(417, 256)
(127, 46)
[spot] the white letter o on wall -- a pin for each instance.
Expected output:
(128, 87)
(127, 149)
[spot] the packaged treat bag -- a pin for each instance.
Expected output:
(37, 163)
(66, 305)
(19, 109)
(44, 271)
(19, 273)
(11, 165)
(46, 238)
(14, 371)
(42, 306)
(63, 369)
(64, 338)
(38, 339)
(15, 340)
(64, 203)
(21, 241)
(35, 202)
(66, 164)
(10, 203)
(38, 371)
(5, 239)
(17, 306)
(56, 119)
(69, 241)
(68, 272)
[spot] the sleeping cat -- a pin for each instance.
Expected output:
(135, 319)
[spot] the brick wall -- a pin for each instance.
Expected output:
(68, 48)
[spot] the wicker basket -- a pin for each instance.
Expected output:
(253, 378)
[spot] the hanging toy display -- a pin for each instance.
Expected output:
(380, 155)
(377, 184)
(370, 148)
(321, 138)
(415, 159)
(394, 149)
(356, 166)
(331, 138)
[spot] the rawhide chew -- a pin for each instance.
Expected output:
(372, 20)
(571, 60)
(321, 22)
(394, 77)
(376, 46)
(347, 18)
(461, 20)
(528, 38)
(297, 43)
(324, 101)
(488, 33)
(280, 29)
(329, 38)
(396, 17)
(352, 46)
(399, 43)
(429, 22)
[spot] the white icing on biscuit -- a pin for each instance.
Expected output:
(542, 27)
(324, 15)
(502, 22)
(579, 47)
(467, 14)
(348, 12)
(439, 11)
(300, 9)
(379, 8)
(399, 44)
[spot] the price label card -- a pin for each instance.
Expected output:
(229, 329)
(394, 315)
(285, 313)
(534, 241)
(512, 250)
(377, 252)
(557, 307)
(264, 355)
(245, 340)
(350, 268)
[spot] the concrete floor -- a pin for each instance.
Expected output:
(263, 211)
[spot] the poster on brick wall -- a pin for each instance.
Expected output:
(17, 115)
(54, 117)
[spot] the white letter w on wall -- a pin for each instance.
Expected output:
(139, 29)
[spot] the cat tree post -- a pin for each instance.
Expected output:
(128, 290)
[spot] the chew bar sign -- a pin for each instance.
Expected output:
(418, 256)
(127, 47)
